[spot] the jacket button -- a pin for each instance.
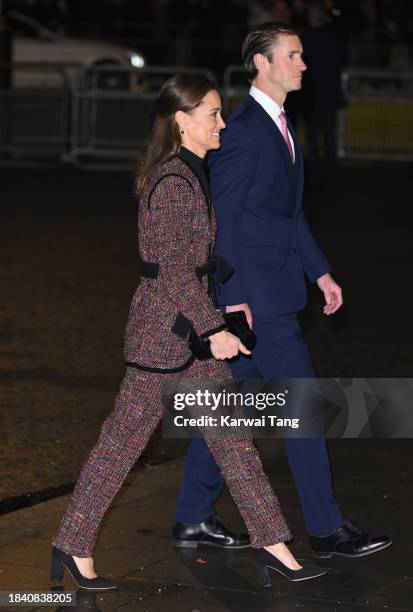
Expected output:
(295, 251)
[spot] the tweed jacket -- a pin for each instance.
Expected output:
(177, 229)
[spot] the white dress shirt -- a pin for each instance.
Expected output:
(271, 107)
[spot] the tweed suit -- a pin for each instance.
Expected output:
(176, 229)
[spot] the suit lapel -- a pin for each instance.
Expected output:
(277, 137)
(298, 166)
(297, 149)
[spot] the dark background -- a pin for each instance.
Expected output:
(169, 31)
(68, 235)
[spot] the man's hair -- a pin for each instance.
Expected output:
(260, 40)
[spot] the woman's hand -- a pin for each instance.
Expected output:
(225, 345)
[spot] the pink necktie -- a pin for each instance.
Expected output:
(284, 131)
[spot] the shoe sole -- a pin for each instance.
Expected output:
(191, 544)
(89, 588)
(337, 554)
(297, 579)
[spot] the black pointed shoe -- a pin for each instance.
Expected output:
(211, 532)
(347, 541)
(60, 560)
(265, 560)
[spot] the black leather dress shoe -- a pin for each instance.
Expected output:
(348, 541)
(209, 533)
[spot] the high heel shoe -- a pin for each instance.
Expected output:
(60, 560)
(265, 560)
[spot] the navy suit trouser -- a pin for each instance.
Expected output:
(280, 353)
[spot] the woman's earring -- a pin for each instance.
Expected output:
(182, 131)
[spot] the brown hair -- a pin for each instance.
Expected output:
(182, 92)
(260, 40)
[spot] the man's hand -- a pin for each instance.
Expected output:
(243, 307)
(332, 293)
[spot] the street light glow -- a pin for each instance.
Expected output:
(137, 60)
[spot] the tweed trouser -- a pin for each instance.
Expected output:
(125, 434)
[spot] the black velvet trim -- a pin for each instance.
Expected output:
(138, 366)
(150, 270)
(182, 326)
(211, 332)
(162, 178)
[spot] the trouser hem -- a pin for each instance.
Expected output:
(271, 540)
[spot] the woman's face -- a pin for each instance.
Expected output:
(203, 125)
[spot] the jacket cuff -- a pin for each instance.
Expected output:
(211, 332)
(319, 274)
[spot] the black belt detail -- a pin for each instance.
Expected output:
(138, 366)
(216, 266)
(218, 270)
(182, 326)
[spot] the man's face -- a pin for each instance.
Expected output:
(284, 72)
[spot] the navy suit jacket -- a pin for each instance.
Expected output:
(262, 230)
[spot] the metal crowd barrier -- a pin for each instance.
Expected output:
(35, 108)
(378, 120)
(95, 117)
(235, 87)
(86, 116)
(112, 113)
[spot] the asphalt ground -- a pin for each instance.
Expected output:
(373, 483)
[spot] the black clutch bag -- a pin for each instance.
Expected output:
(236, 323)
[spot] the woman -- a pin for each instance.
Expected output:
(176, 234)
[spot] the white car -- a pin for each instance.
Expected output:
(39, 54)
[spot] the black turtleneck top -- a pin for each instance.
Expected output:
(198, 165)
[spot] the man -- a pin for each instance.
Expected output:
(257, 182)
(322, 94)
